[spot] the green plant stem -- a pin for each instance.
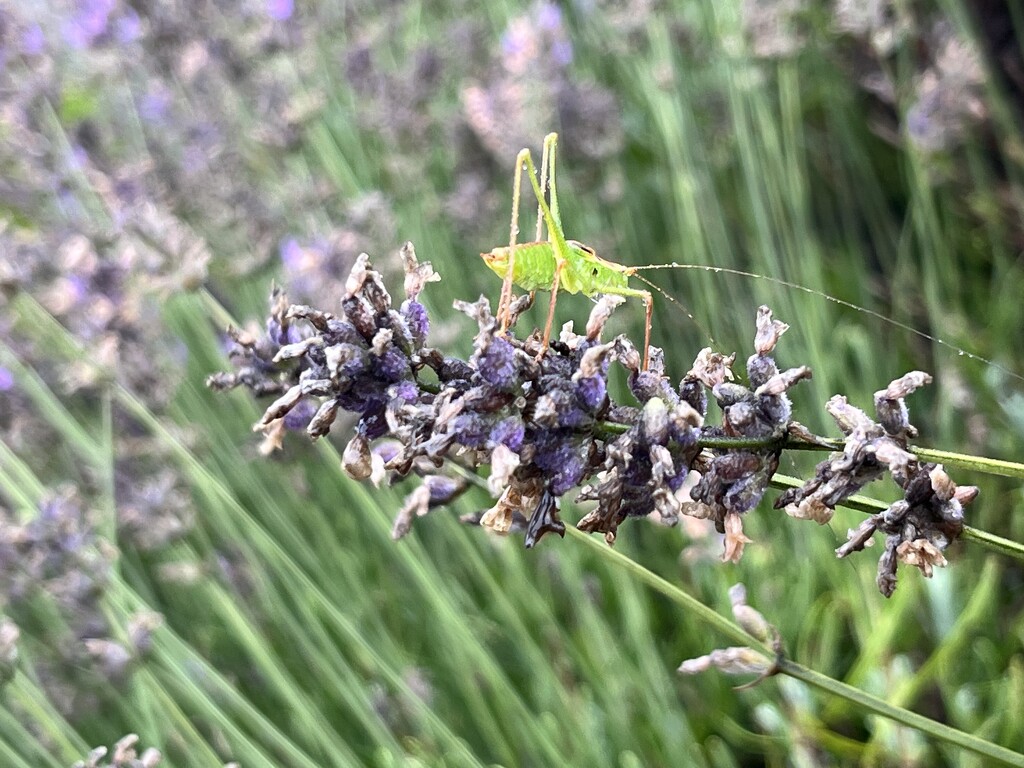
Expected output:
(693, 607)
(784, 443)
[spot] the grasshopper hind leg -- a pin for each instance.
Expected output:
(505, 301)
(648, 300)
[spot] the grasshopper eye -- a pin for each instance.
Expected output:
(594, 273)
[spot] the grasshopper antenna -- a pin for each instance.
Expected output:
(678, 303)
(827, 297)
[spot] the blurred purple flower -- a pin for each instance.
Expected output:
(154, 106)
(33, 41)
(549, 17)
(921, 124)
(78, 159)
(77, 287)
(280, 10)
(513, 43)
(6, 380)
(561, 52)
(88, 23)
(291, 254)
(128, 28)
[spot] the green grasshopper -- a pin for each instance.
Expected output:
(556, 263)
(561, 264)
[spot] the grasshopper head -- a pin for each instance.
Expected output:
(497, 260)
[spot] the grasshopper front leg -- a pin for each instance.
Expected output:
(546, 187)
(542, 186)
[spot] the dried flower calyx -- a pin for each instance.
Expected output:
(742, 660)
(919, 526)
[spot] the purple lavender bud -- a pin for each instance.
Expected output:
(591, 391)
(513, 42)
(508, 432)
(561, 53)
(154, 106)
(760, 369)
(6, 379)
(291, 255)
(418, 321)
(88, 23)
(404, 390)
(299, 416)
(443, 488)
(549, 17)
(744, 494)
(676, 481)
(342, 332)
(387, 450)
(557, 407)
(281, 336)
(393, 365)
(352, 400)
(347, 361)
(645, 385)
(497, 365)
(470, 430)
(563, 465)
(373, 424)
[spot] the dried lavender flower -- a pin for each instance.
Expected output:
(734, 481)
(546, 423)
(917, 527)
(742, 660)
(731, 661)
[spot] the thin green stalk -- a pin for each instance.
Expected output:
(966, 461)
(27, 741)
(955, 642)
(17, 480)
(29, 699)
(107, 470)
(49, 405)
(733, 632)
